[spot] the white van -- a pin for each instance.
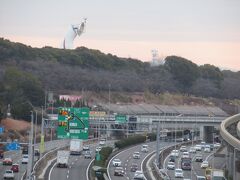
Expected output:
(144, 148)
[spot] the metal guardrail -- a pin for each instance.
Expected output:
(238, 129)
(233, 141)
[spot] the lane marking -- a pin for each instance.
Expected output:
(67, 176)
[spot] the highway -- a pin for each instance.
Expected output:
(16, 156)
(77, 166)
(196, 166)
(126, 158)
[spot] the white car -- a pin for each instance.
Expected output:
(144, 148)
(204, 164)
(98, 149)
(102, 142)
(116, 162)
(136, 155)
(86, 148)
(198, 147)
(207, 149)
(192, 150)
(175, 153)
(179, 173)
(25, 159)
(183, 149)
(216, 145)
(8, 174)
(185, 155)
(171, 165)
(139, 175)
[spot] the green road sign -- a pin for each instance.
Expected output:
(121, 118)
(73, 123)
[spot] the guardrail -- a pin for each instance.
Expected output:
(233, 141)
(238, 129)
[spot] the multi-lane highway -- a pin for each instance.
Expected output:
(16, 156)
(196, 166)
(127, 159)
(78, 166)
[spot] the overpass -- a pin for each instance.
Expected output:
(145, 117)
(230, 132)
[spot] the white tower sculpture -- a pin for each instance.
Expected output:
(73, 31)
(156, 60)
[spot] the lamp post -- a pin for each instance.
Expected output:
(30, 150)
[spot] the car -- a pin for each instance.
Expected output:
(25, 159)
(185, 155)
(15, 167)
(87, 155)
(192, 150)
(98, 149)
(172, 158)
(102, 142)
(204, 164)
(7, 161)
(179, 140)
(207, 149)
(183, 149)
(216, 145)
(136, 155)
(171, 165)
(139, 175)
(86, 148)
(199, 158)
(36, 152)
(144, 148)
(175, 153)
(178, 173)
(198, 147)
(116, 162)
(118, 171)
(201, 178)
(8, 174)
(134, 167)
(186, 163)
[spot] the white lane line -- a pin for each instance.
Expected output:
(68, 171)
(70, 166)
(67, 176)
(50, 172)
(126, 164)
(88, 169)
(72, 163)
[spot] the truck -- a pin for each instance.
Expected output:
(76, 146)
(62, 159)
(214, 174)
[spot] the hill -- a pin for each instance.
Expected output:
(26, 73)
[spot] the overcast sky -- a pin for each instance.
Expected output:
(204, 31)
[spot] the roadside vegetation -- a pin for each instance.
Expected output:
(26, 73)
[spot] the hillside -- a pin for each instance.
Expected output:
(26, 73)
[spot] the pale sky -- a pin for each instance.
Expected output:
(203, 31)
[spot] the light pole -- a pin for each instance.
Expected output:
(42, 136)
(30, 150)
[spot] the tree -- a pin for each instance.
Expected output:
(183, 70)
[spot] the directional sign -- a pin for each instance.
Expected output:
(1, 130)
(73, 123)
(120, 118)
(12, 146)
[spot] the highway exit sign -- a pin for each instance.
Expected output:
(73, 123)
(120, 118)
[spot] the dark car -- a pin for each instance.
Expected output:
(172, 158)
(134, 167)
(118, 171)
(15, 168)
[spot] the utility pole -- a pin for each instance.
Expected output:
(42, 136)
(158, 145)
(30, 150)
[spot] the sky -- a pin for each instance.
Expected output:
(203, 31)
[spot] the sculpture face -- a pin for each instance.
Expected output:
(73, 31)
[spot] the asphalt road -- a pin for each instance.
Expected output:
(196, 166)
(16, 156)
(77, 166)
(126, 158)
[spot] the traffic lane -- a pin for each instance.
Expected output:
(15, 156)
(126, 158)
(196, 166)
(77, 167)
